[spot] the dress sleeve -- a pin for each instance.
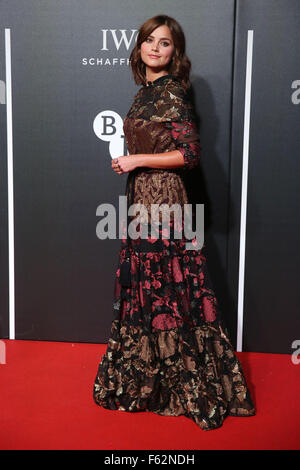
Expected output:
(187, 141)
(176, 110)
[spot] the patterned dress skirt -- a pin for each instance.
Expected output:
(169, 351)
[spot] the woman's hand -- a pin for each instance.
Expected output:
(124, 164)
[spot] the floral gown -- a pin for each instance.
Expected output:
(168, 350)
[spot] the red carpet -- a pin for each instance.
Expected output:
(46, 403)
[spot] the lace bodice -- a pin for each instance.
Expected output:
(161, 119)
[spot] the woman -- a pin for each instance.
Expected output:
(168, 350)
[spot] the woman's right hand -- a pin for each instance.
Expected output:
(125, 163)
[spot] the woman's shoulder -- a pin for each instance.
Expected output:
(173, 101)
(174, 92)
(164, 101)
(174, 85)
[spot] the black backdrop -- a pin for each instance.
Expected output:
(69, 66)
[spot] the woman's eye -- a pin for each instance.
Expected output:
(166, 44)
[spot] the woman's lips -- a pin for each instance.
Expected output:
(154, 56)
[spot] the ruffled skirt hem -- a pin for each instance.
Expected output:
(173, 372)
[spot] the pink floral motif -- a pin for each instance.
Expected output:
(153, 272)
(209, 309)
(177, 273)
(147, 264)
(142, 298)
(164, 321)
(156, 284)
(158, 302)
(185, 300)
(124, 309)
(133, 265)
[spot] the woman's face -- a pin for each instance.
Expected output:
(158, 48)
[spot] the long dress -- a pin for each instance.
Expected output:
(169, 351)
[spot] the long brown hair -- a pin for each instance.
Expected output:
(179, 65)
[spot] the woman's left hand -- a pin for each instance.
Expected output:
(124, 164)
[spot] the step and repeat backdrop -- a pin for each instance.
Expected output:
(65, 88)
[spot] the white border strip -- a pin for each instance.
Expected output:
(244, 191)
(10, 186)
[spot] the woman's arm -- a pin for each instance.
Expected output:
(173, 159)
(187, 152)
(186, 155)
(124, 164)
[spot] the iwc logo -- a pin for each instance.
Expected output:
(113, 41)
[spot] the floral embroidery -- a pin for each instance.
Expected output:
(187, 142)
